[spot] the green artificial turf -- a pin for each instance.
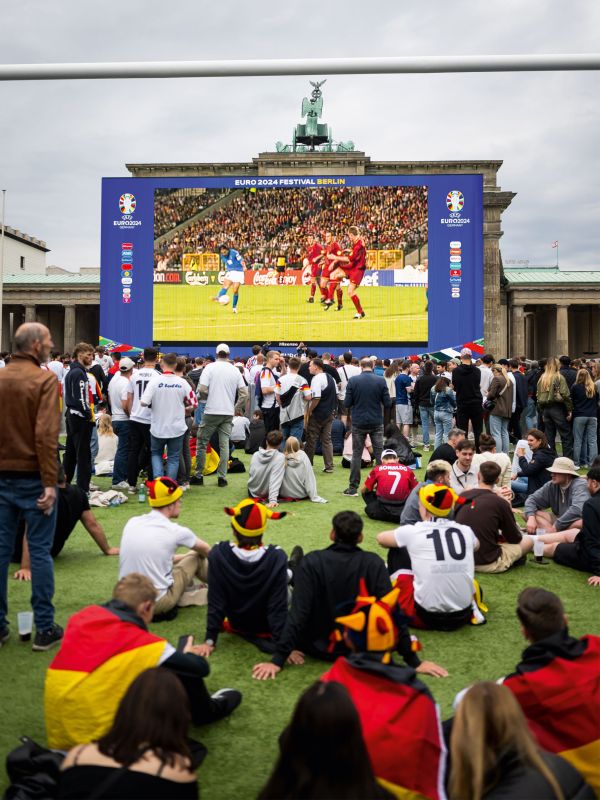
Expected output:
(242, 748)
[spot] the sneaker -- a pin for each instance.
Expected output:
(184, 487)
(340, 308)
(197, 480)
(131, 490)
(322, 300)
(327, 305)
(329, 470)
(44, 640)
(226, 700)
(5, 633)
(311, 300)
(93, 487)
(296, 557)
(234, 310)
(359, 315)
(194, 595)
(221, 482)
(350, 492)
(118, 486)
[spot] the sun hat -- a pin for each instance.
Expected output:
(249, 517)
(163, 492)
(563, 466)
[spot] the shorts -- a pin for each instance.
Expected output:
(355, 276)
(326, 272)
(315, 269)
(509, 553)
(568, 555)
(422, 618)
(404, 414)
(235, 277)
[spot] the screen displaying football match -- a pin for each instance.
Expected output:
(390, 264)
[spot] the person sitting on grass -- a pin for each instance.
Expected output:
(72, 507)
(149, 544)
(438, 471)
(490, 517)
(267, 468)
(437, 592)
(488, 452)
(399, 717)
(447, 451)
(533, 473)
(463, 474)
(387, 487)
(299, 481)
(323, 753)
(323, 580)
(556, 683)
(248, 590)
(564, 495)
(105, 647)
(580, 549)
(256, 433)
(146, 751)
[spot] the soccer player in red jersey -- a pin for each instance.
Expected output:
(332, 250)
(353, 267)
(314, 254)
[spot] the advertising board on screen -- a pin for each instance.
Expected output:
(385, 264)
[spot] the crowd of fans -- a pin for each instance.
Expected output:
(174, 206)
(265, 226)
(124, 721)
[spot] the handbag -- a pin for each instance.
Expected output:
(556, 395)
(33, 771)
(490, 405)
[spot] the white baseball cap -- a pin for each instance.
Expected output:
(465, 352)
(125, 364)
(223, 348)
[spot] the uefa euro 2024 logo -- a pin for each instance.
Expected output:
(454, 200)
(127, 203)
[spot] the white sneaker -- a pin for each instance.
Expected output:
(118, 486)
(234, 310)
(195, 595)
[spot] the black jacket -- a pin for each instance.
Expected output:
(569, 374)
(532, 377)
(588, 538)
(536, 470)
(77, 390)
(251, 594)
(521, 390)
(255, 437)
(515, 780)
(367, 395)
(466, 380)
(326, 582)
(445, 452)
(422, 391)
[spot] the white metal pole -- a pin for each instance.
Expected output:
(300, 66)
(2, 266)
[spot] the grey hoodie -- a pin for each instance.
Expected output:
(299, 479)
(566, 504)
(266, 473)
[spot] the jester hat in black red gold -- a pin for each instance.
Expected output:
(438, 499)
(373, 624)
(249, 517)
(163, 491)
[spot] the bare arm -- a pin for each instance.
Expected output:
(93, 527)
(387, 539)
(24, 573)
(202, 547)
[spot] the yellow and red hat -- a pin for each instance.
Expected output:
(249, 517)
(373, 624)
(163, 491)
(438, 499)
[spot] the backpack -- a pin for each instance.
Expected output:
(258, 393)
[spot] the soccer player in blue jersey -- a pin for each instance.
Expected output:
(234, 266)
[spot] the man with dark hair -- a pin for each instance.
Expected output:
(447, 451)
(79, 416)
(323, 580)
(248, 586)
(267, 468)
(140, 419)
(463, 475)
(556, 683)
(466, 380)
(268, 381)
(567, 371)
(490, 516)
(319, 413)
(521, 393)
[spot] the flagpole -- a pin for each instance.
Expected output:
(557, 255)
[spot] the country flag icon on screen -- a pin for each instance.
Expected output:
(455, 273)
(127, 203)
(129, 246)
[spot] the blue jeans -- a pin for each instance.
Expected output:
(529, 416)
(157, 447)
(443, 423)
(121, 429)
(293, 428)
(519, 486)
(499, 430)
(426, 419)
(199, 412)
(585, 448)
(19, 496)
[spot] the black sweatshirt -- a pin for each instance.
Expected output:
(251, 594)
(325, 583)
(466, 380)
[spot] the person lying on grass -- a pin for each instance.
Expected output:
(322, 581)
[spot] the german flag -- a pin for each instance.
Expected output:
(400, 724)
(100, 655)
(559, 692)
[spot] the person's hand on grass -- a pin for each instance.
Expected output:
(204, 650)
(296, 657)
(430, 668)
(22, 575)
(272, 504)
(112, 551)
(593, 580)
(265, 670)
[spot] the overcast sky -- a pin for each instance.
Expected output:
(59, 138)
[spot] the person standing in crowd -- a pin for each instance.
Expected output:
(268, 381)
(422, 394)
(140, 419)
(500, 397)
(404, 411)
(319, 414)
(120, 395)
(519, 400)
(443, 403)
(366, 396)
(292, 393)
(224, 389)
(529, 419)
(29, 405)
(466, 380)
(554, 401)
(585, 423)
(79, 417)
(567, 371)
(346, 371)
(486, 374)
(166, 395)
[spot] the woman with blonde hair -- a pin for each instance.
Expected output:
(495, 757)
(585, 423)
(499, 404)
(299, 482)
(107, 446)
(554, 401)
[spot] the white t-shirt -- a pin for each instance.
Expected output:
(148, 545)
(268, 379)
(223, 380)
(105, 362)
(239, 431)
(139, 382)
(296, 407)
(119, 389)
(56, 367)
(166, 395)
(318, 384)
(441, 554)
(487, 376)
(511, 378)
(346, 372)
(501, 459)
